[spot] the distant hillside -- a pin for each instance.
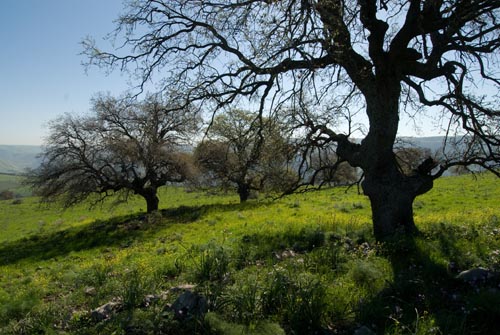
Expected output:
(15, 159)
(433, 143)
(6, 167)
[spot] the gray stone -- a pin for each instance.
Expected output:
(90, 291)
(285, 254)
(363, 330)
(164, 295)
(104, 312)
(188, 305)
(476, 275)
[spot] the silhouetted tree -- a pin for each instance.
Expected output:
(124, 146)
(338, 57)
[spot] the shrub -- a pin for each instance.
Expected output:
(366, 274)
(275, 294)
(306, 305)
(327, 258)
(308, 239)
(6, 195)
(133, 289)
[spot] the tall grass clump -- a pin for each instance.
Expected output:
(16, 305)
(241, 302)
(297, 299)
(212, 264)
(218, 326)
(367, 275)
(134, 288)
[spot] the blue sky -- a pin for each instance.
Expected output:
(41, 76)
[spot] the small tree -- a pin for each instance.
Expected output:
(245, 153)
(123, 147)
(320, 166)
(410, 159)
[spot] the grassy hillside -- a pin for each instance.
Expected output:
(9, 182)
(7, 167)
(14, 184)
(305, 264)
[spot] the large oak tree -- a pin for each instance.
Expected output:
(124, 146)
(335, 57)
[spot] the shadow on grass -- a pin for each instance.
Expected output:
(425, 297)
(119, 231)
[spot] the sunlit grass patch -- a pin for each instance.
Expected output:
(303, 263)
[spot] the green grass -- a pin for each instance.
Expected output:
(303, 264)
(30, 217)
(14, 184)
(8, 181)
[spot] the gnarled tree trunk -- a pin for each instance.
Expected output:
(151, 198)
(390, 191)
(391, 197)
(243, 192)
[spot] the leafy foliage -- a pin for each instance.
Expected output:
(245, 152)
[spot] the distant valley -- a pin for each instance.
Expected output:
(15, 159)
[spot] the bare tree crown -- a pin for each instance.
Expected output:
(323, 61)
(276, 53)
(123, 146)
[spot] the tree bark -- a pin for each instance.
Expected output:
(151, 198)
(243, 192)
(152, 203)
(390, 191)
(391, 203)
(391, 195)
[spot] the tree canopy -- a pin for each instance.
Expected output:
(245, 153)
(328, 62)
(124, 147)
